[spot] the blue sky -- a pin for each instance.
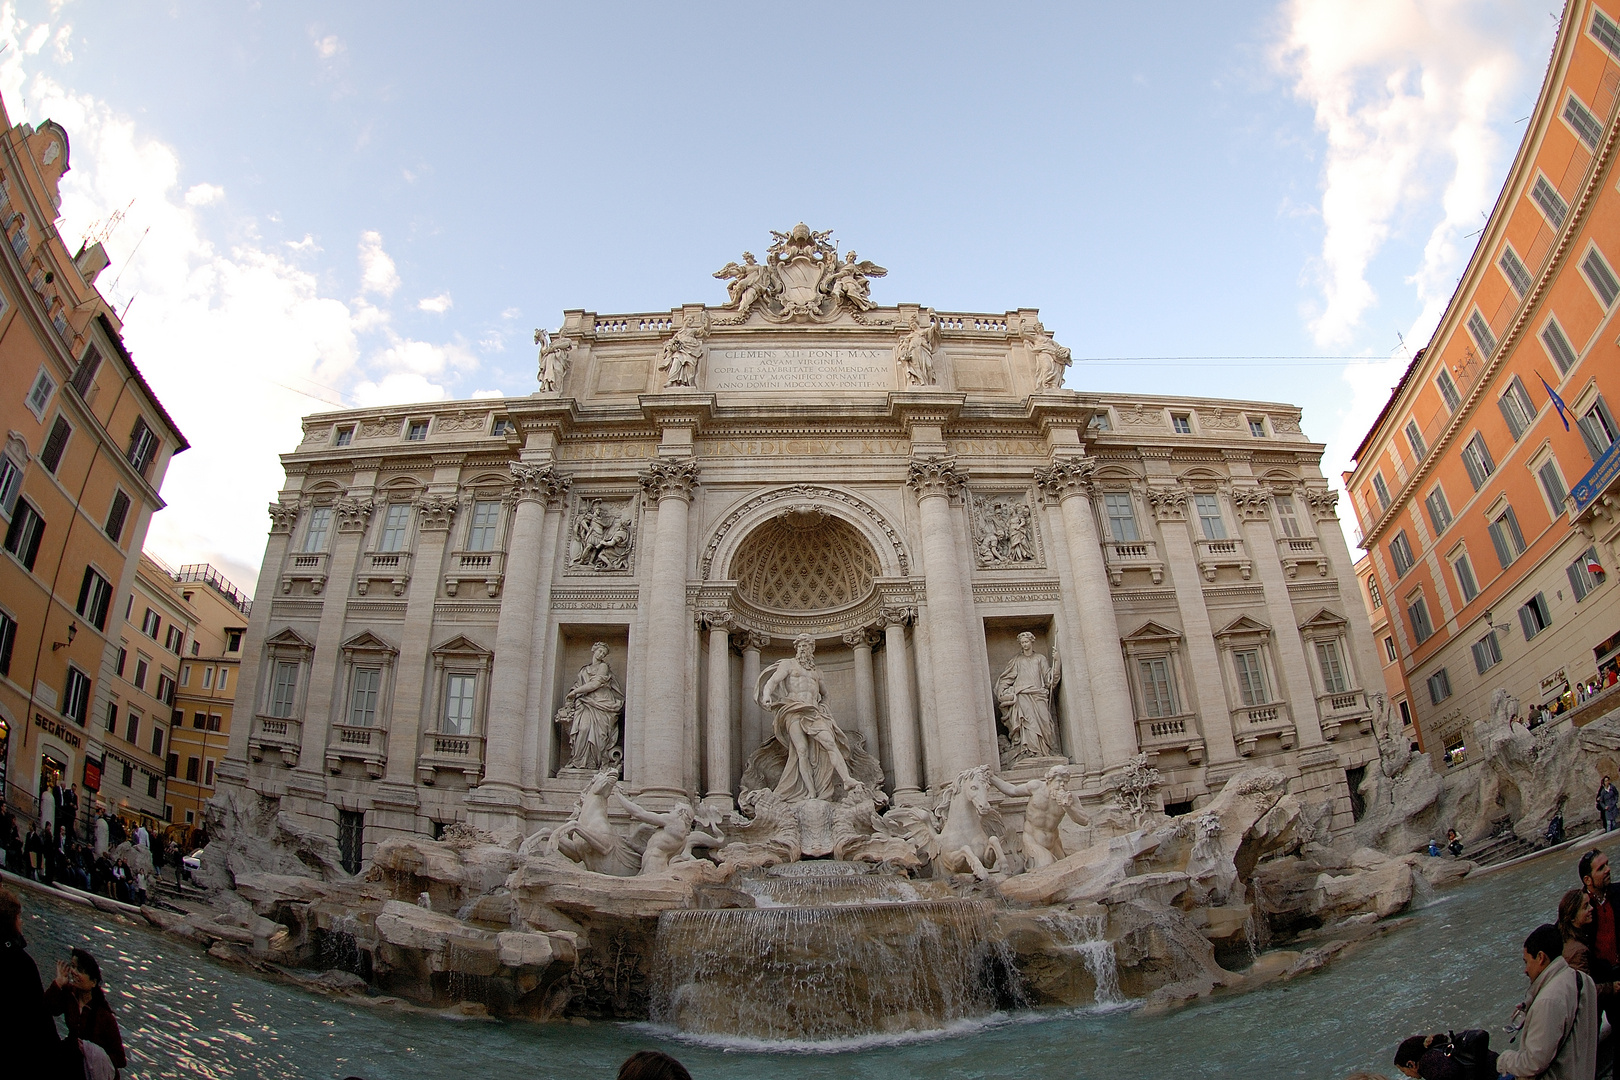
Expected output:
(379, 202)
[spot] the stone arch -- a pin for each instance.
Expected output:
(740, 522)
(804, 560)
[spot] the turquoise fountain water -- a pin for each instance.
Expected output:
(1457, 965)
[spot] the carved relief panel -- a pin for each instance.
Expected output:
(602, 530)
(1004, 532)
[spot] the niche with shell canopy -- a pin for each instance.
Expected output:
(805, 560)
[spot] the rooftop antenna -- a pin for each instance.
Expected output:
(101, 230)
(127, 260)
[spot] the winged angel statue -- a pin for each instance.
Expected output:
(802, 278)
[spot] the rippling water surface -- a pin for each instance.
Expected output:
(1458, 965)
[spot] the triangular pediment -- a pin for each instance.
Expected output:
(1152, 631)
(461, 645)
(1243, 624)
(366, 641)
(1323, 620)
(288, 638)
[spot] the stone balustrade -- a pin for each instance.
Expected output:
(393, 567)
(1158, 734)
(1123, 555)
(486, 568)
(273, 735)
(1215, 554)
(1335, 710)
(1251, 723)
(1294, 550)
(367, 745)
(453, 753)
(310, 566)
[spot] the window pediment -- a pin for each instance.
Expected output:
(1151, 632)
(367, 642)
(289, 639)
(1243, 628)
(461, 645)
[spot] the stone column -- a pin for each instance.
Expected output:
(865, 690)
(434, 514)
(532, 486)
(283, 518)
(352, 515)
(935, 481)
(669, 482)
(753, 721)
(1069, 481)
(717, 717)
(541, 689)
(903, 771)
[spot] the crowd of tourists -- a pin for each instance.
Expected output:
(60, 857)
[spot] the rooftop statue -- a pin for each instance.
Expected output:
(915, 351)
(554, 353)
(801, 280)
(684, 351)
(1051, 359)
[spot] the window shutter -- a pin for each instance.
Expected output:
(84, 376)
(55, 443)
(115, 518)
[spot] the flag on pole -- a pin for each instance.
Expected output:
(1558, 402)
(1593, 567)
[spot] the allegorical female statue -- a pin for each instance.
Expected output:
(1024, 692)
(592, 711)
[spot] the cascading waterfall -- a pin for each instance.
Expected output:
(1084, 936)
(862, 957)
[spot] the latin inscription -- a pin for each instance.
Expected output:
(749, 448)
(605, 451)
(800, 369)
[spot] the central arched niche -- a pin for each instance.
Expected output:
(805, 560)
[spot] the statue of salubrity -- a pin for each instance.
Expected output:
(1024, 692)
(590, 716)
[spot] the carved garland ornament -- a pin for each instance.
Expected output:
(804, 493)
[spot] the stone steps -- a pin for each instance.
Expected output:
(1507, 846)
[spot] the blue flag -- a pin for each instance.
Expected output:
(1558, 402)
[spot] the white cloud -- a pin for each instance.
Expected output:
(307, 244)
(398, 388)
(60, 42)
(511, 313)
(204, 194)
(377, 272)
(328, 46)
(438, 305)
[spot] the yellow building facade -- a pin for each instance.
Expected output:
(201, 722)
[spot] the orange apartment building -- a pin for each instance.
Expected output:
(85, 446)
(208, 675)
(1396, 691)
(1486, 490)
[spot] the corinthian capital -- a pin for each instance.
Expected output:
(282, 517)
(936, 476)
(1323, 503)
(716, 620)
(436, 512)
(352, 514)
(1168, 503)
(537, 483)
(1252, 503)
(664, 478)
(1066, 477)
(896, 616)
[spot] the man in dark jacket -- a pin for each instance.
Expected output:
(27, 1032)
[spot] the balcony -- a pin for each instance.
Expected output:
(1214, 554)
(310, 566)
(392, 568)
(484, 568)
(1133, 555)
(453, 753)
(276, 735)
(1251, 723)
(1336, 710)
(1155, 735)
(367, 745)
(1294, 550)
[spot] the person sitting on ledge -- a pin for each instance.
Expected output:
(652, 1065)
(1426, 1056)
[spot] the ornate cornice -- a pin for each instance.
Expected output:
(1067, 477)
(936, 476)
(665, 478)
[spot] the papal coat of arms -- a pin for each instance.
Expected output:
(801, 280)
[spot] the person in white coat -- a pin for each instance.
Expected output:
(1560, 1034)
(102, 834)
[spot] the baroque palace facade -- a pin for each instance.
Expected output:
(467, 608)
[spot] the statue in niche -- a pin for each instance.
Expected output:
(915, 352)
(1024, 692)
(602, 537)
(1002, 531)
(1049, 802)
(817, 748)
(675, 836)
(590, 715)
(554, 352)
(684, 351)
(1051, 359)
(846, 282)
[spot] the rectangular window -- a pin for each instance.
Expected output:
(1597, 430)
(417, 431)
(199, 721)
(1534, 616)
(1158, 696)
(185, 675)
(1517, 408)
(1513, 269)
(140, 673)
(1585, 574)
(1372, 591)
(171, 766)
(345, 436)
(1209, 516)
(115, 517)
(1553, 485)
(1182, 423)
(22, 538)
(320, 523)
(1476, 457)
(165, 690)
(458, 704)
(95, 597)
(363, 700)
(1598, 275)
(129, 774)
(351, 839)
(123, 658)
(1439, 510)
(112, 716)
(208, 773)
(1414, 438)
(157, 741)
(1487, 653)
(208, 677)
(8, 638)
(1466, 584)
(1587, 128)
(1287, 514)
(1481, 332)
(1448, 390)
(1606, 33)
(11, 476)
(39, 395)
(76, 696)
(1121, 516)
(1257, 428)
(143, 446)
(284, 688)
(1439, 687)
(1417, 613)
(1558, 347)
(214, 721)
(84, 376)
(220, 686)
(175, 640)
(55, 444)
(151, 623)
(1400, 553)
(503, 427)
(1389, 649)
(1544, 195)
(1251, 680)
(486, 519)
(1506, 537)
(1327, 657)
(132, 729)
(1382, 489)
(193, 766)
(394, 525)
